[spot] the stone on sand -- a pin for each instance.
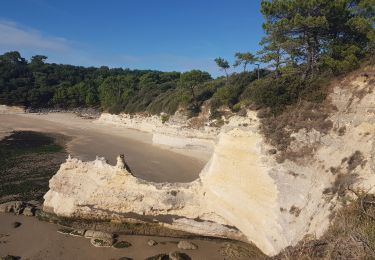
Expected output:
(29, 211)
(98, 234)
(186, 245)
(152, 242)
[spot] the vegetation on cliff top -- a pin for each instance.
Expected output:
(305, 42)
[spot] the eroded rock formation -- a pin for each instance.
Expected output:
(243, 192)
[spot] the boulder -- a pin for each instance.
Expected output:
(29, 211)
(78, 232)
(152, 242)
(15, 207)
(102, 242)
(186, 245)
(98, 234)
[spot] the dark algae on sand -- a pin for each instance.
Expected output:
(27, 161)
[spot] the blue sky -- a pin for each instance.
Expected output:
(165, 35)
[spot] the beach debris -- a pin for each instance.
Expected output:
(186, 245)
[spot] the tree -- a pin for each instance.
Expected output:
(244, 58)
(115, 92)
(272, 53)
(191, 81)
(223, 65)
(37, 60)
(308, 30)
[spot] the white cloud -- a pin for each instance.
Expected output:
(13, 36)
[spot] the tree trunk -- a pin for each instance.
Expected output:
(195, 102)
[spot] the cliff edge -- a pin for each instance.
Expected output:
(245, 191)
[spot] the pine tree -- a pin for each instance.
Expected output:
(317, 33)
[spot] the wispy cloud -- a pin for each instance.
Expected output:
(14, 36)
(29, 42)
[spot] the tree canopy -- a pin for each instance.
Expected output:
(223, 65)
(244, 58)
(306, 42)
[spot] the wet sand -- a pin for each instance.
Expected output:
(40, 240)
(147, 161)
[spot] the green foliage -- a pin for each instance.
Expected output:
(306, 42)
(122, 244)
(223, 65)
(274, 93)
(190, 82)
(244, 58)
(164, 118)
(41, 85)
(194, 78)
(316, 34)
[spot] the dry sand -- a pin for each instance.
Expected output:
(147, 161)
(40, 240)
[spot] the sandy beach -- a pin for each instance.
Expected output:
(88, 140)
(40, 240)
(36, 239)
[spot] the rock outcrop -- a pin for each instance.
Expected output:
(4, 109)
(242, 193)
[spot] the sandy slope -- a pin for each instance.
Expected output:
(147, 161)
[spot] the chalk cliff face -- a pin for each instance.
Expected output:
(242, 193)
(176, 132)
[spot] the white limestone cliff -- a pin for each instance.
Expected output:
(242, 193)
(175, 133)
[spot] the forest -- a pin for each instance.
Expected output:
(305, 43)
